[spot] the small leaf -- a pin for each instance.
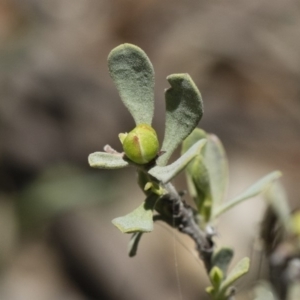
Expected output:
(263, 291)
(216, 163)
(165, 174)
(276, 197)
(103, 160)
(133, 244)
(193, 138)
(184, 109)
(240, 269)
(257, 188)
(142, 179)
(208, 172)
(139, 220)
(210, 290)
(216, 276)
(201, 181)
(222, 259)
(133, 75)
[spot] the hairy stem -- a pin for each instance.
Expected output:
(177, 213)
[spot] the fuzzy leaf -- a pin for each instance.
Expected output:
(184, 109)
(216, 276)
(257, 188)
(241, 268)
(208, 172)
(197, 189)
(133, 244)
(140, 219)
(263, 291)
(277, 198)
(133, 75)
(222, 259)
(165, 174)
(196, 135)
(216, 163)
(103, 160)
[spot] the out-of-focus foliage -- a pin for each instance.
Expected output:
(59, 190)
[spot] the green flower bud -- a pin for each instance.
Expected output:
(141, 144)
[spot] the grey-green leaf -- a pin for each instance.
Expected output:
(200, 179)
(241, 268)
(217, 165)
(208, 172)
(257, 188)
(196, 135)
(133, 75)
(222, 259)
(140, 219)
(263, 291)
(103, 160)
(276, 197)
(184, 109)
(133, 244)
(165, 174)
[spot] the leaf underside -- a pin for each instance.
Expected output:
(207, 173)
(241, 268)
(103, 160)
(167, 173)
(216, 163)
(140, 219)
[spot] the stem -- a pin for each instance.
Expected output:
(177, 213)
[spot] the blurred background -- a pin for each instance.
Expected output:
(58, 104)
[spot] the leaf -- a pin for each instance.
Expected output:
(165, 174)
(210, 290)
(103, 160)
(216, 163)
(257, 188)
(263, 291)
(201, 182)
(216, 276)
(196, 135)
(140, 219)
(133, 244)
(133, 75)
(222, 259)
(208, 172)
(184, 109)
(276, 197)
(240, 269)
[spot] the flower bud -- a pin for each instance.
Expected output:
(141, 144)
